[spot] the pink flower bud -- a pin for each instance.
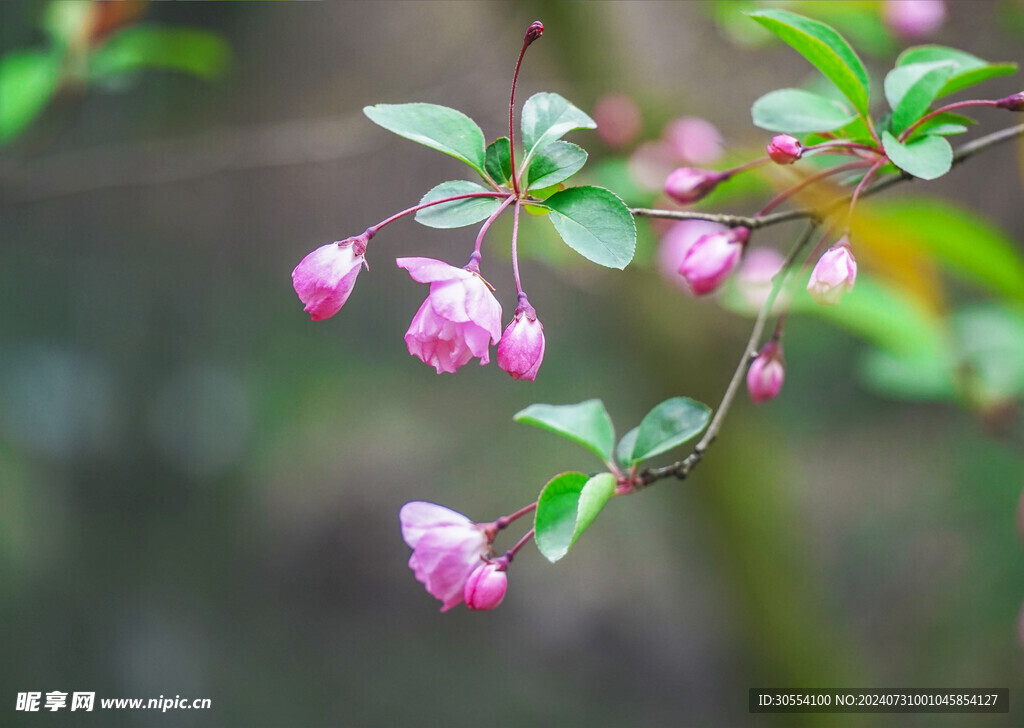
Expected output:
(690, 184)
(784, 149)
(834, 274)
(1014, 102)
(458, 321)
(446, 548)
(521, 349)
(486, 587)
(324, 278)
(676, 243)
(618, 119)
(712, 258)
(914, 18)
(693, 140)
(766, 373)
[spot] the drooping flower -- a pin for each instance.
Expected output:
(521, 349)
(446, 549)
(690, 184)
(766, 373)
(324, 279)
(834, 274)
(485, 588)
(785, 149)
(712, 258)
(459, 319)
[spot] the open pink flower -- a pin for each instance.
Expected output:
(458, 321)
(324, 279)
(446, 548)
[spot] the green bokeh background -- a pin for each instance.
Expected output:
(199, 488)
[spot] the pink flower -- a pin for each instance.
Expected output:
(766, 373)
(711, 259)
(754, 278)
(690, 184)
(914, 18)
(785, 149)
(676, 243)
(834, 274)
(324, 278)
(458, 321)
(618, 119)
(486, 586)
(521, 349)
(446, 548)
(694, 140)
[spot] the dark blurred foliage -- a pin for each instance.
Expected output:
(199, 488)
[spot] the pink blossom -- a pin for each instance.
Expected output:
(766, 373)
(324, 278)
(785, 149)
(690, 184)
(914, 18)
(650, 163)
(754, 277)
(677, 241)
(486, 586)
(694, 140)
(618, 119)
(712, 258)
(459, 319)
(834, 274)
(521, 349)
(446, 548)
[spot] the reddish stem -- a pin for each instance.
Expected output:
(515, 249)
(786, 194)
(841, 143)
(863, 183)
(532, 34)
(958, 105)
(371, 231)
(487, 225)
(510, 554)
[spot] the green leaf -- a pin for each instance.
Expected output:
(437, 127)
(555, 163)
(189, 50)
(595, 223)
(547, 117)
(824, 48)
(498, 160)
(945, 124)
(624, 450)
(28, 79)
(457, 213)
(911, 89)
(927, 157)
(566, 507)
(669, 425)
(991, 340)
(587, 424)
(912, 377)
(968, 245)
(968, 70)
(796, 111)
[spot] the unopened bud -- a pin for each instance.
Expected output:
(1012, 103)
(690, 184)
(535, 31)
(712, 258)
(521, 349)
(834, 274)
(766, 373)
(784, 149)
(485, 588)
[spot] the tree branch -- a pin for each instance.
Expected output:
(964, 152)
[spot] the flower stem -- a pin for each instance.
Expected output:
(371, 231)
(860, 187)
(744, 167)
(809, 180)
(941, 110)
(504, 521)
(843, 144)
(532, 33)
(487, 224)
(510, 554)
(515, 249)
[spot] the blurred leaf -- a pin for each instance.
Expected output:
(548, 117)
(968, 70)
(991, 340)
(669, 425)
(927, 157)
(587, 424)
(910, 90)
(968, 245)
(624, 450)
(595, 223)
(824, 48)
(437, 127)
(498, 160)
(566, 508)
(457, 213)
(28, 79)
(555, 163)
(62, 19)
(927, 377)
(796, 111)
(189, 50)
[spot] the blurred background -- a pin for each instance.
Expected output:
(199, 487)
